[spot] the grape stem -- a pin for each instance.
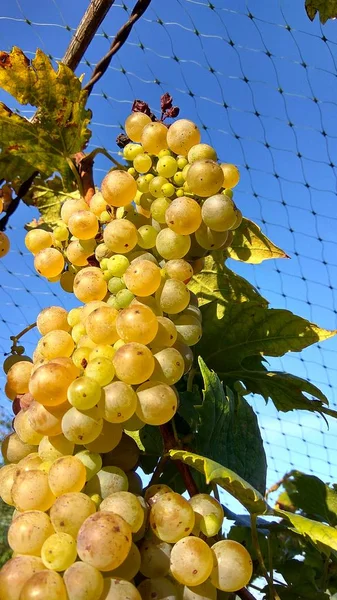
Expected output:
(94, 153)
(244, 594)
(169, 444)
(255, 539)
(15, 338)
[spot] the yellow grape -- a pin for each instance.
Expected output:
(182, 135)
(15, 573)
(101, 325)
(233, 566)
(209, 239)
(76, 254)
(24, 430)
(56, 344)
(166, 166)
(200, 152)
(172, 245)
(51, 448)
(173, 296)
(84, 393)
(107, 481)
(169, 366)
(81, 356)
(51, 318)
(28, 532)
(142, 278)
(231, 175)
(183, 215)
(107, 440)
(209, 514)
(171, 517)
(71, 206)
(120, 236)
(158, 587)
(67, 474)
(67, 281)
(83, 582)
(92, 462)
(189, 329)
(49, 383)
(130, 567)
(142, 163)
(157, 403)
(59, 551)
(12, 359)
(130, 151)
(104, 541)
(49, 262)
(238, 221)
(13, 449)
(191, 561)
(166, 334)
(97, 204)
(219, 213)
(119, 402)
(179, 269)
(82, 427)
(137, 324)
(18, 376)
(154, 137)
(147, 235)
(118, 188)
(103, 350)
(77, 332)
(204, 591)
(42, 585)
(135, 124)
(119, 589)
(158, 209)
(32, 461)
(7, 480)
(31, 491)
(155, 558)
(83, 224)
(150, 302)
(127, 506)
(89, 285)
(100, 370)
(38, 239)
(69, 512)
(134, 363)
(205, 178)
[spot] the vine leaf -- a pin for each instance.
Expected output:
(217, 281)
(251, 245)
(312, 496)
(318, 533)
(327, 9)
(228, 431)
(60, 126)
(240, 489)
(47, 197)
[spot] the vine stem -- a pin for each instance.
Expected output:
(15, 338)
(245, 594)
(256, 544)
(94, 153)
(84, 175)
(169, 444)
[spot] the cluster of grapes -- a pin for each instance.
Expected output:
(106, 369)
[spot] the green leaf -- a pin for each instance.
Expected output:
(59, 128)
(47, 197)
(225, 478)
(228, 431)
(312, 496)
(148, 440)
(327, 9)
(318, 533)
(216, 281)
(251, 245)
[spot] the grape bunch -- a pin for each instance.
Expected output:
(83, 528)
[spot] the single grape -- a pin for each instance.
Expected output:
(204, 591)
(77, 255)
(18, 376)
(37, 240)
(92, 462)
(171, 517)
(157, 402)
(209, 514)
(71, 206)
(115, 284)
(108, 480)
(83, 582)
(153, 137)
(81, 356)
(46, 420)
(169, 366)
(189, 329)
(104, 541)
(51, 318)
(82, 427)
(67, 474)
(45, 584)
(147, 236)
(155, 491)
(31, 491)
(49, 262)
(56, 343)
(134, 363)
(179, 269)
(173, 296)
(120, 236)
(69, 512)
(12, 359)
(83, 224)
(102, 252)
(159, 588)
(166, 334)
(155, 186)
(183, 216)
(231, 175)
(24, 429)
(142, 163)
(130, 151)
(137, 324)
(103, 350)
(13, 449)
(59, 551)
(200, 152)
(142, 278)
(28, 532)
(172, 245)
(127, 506)
(155, 558)
(15, 573)
(135, 124)
(209, 239)
(205, 177)
(8, 476)
(118, 188)
(67, 281)
(100, 370)
(108, 439)
(233, 566)
(238, 221)
(89, 285)
(158, 209)
(51, 448)
(124, 298)
(218, 212)
(191, 561)
(182, 135)
(30, 462)
(130, 567)
(119, 402)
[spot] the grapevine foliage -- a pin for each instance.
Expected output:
(216, 441)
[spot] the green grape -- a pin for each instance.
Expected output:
(108, 439)
(130, 567)
(218, 212)
(231, 175)
(153, 137)
(166, 166)
(209, 239)
(233, 566)
(49, 262)
(67, 474)
(119, 589)
(172, 245)
(28, 532)
(179, 269)
(209, 514)
(142, 163)
(104, 541)
(83, 225)
(45, 584)
(71, 206)
(204, 591)
(137, 324)
(83, 582)
(135, 124)
(179, 179)
(107, 480)
(171, 517)
(31, 491)
(164, 152)
(157, 402)
(205, 178)
(160, 588)
(169, 366)
(24, 429)
(142, 278)
(69, 512)
(77, 332)
(238, 220)
(183, 216)
(120, 236)
(82, 427)
(115, 284)
(127, 506)
(118, 188)
(51, 448)
(173, 296)
(125, 455)
(134, 363)
(158, 209)
(92, 462)
(200, 152)
(102, 350)
(101, 325)
(37, 240)
(81, 356)
(143, 182)
(191, 561)
(147, 236)
(119, 402)
(89, 285)
(189, 329)
(155, 186)
(130, 151)
(100, 370)
(15, 573)
(168, 190)
(155, 558)
(182, 135)
(124, 298)
(105, 216)
(56, 344)
(166, 334)
(51, 318)
(59, 552)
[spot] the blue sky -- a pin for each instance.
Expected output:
(265, 98)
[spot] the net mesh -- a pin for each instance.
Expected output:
(260, 80)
